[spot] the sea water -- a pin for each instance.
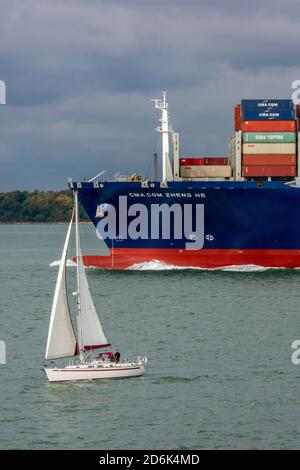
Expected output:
(219, 372)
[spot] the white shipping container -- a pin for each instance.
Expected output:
(269, 148)
(238, 155)
(210, 171)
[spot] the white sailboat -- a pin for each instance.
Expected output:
(84, 345)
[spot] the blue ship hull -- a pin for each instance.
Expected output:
(243, 223)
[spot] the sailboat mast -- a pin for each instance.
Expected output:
(79, 324)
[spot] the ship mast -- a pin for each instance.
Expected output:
(79, 325)
(164, 129)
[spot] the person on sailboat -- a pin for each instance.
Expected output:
(117, 356)
(106, 356)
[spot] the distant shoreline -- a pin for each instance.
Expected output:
(37, 207)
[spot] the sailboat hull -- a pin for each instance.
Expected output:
(77, 374)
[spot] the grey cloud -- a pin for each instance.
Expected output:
(80, 76)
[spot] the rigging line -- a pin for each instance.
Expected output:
(79, 319)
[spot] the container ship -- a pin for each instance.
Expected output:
(207, 212)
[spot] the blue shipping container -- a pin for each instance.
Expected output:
(268, 115)
(267, 104)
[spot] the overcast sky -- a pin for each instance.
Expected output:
(80, 75)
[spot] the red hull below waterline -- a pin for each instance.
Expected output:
(122, 258)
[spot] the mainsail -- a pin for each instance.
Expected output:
(92, 335)
(61, 340)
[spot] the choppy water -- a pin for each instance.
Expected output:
(218, 342)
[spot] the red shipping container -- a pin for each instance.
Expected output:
(237, 117)
(191, 161)
(298, 110)
(269, 126)
(216, 161)
(269, 170)
(203, 161)
(269, 159)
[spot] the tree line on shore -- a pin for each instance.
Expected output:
(37, 206)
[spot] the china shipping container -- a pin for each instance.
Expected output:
(269, 171)
(269, 148)
(269, 126)
(272, 159)
(284, 137)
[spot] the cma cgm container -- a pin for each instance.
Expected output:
(269, 137)
(267, 104)
(268, 114)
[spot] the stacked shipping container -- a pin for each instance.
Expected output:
(268, 130)
(265, 144)
(205, 167)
